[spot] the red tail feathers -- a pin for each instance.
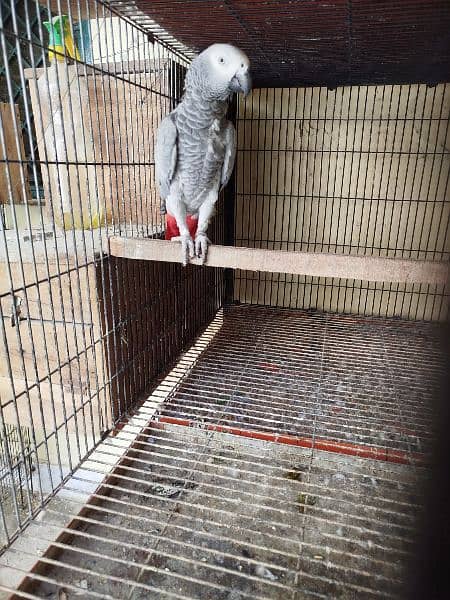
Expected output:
(172, 227)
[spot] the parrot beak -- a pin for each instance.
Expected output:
(241, 83)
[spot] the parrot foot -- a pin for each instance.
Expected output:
(201, 246)
(187, 247)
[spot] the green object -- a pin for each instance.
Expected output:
(60, 39)
(55, 30)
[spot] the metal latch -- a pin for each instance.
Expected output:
(16, 310)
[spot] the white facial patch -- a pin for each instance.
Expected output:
(226, 60)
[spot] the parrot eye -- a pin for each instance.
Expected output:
(242, 65)
(221, 60)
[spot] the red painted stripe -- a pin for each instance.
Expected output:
(361, 450)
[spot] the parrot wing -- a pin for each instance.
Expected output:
(166, 154)
(230, 153)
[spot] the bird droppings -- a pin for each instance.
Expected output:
(338, 477)
(305, 500)
(294, 475)
(262, 571)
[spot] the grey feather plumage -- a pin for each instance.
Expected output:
(230, 154)
(196, 145)
(166, 156)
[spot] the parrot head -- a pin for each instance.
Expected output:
(221, 69)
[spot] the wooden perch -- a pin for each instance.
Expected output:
(366, 268)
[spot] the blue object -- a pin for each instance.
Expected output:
(83, 40)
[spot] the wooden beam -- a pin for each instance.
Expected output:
(16, 170)
(133, 67)
(366, 268)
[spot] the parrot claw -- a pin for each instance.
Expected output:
(187, 247)
(201, 246)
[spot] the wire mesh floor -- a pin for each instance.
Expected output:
(288, 463)
(350, 384)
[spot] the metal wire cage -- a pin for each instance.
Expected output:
(205, 432)
(83, 335)
(357, 170)
(16, 462)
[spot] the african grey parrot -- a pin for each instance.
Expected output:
(196, 144)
